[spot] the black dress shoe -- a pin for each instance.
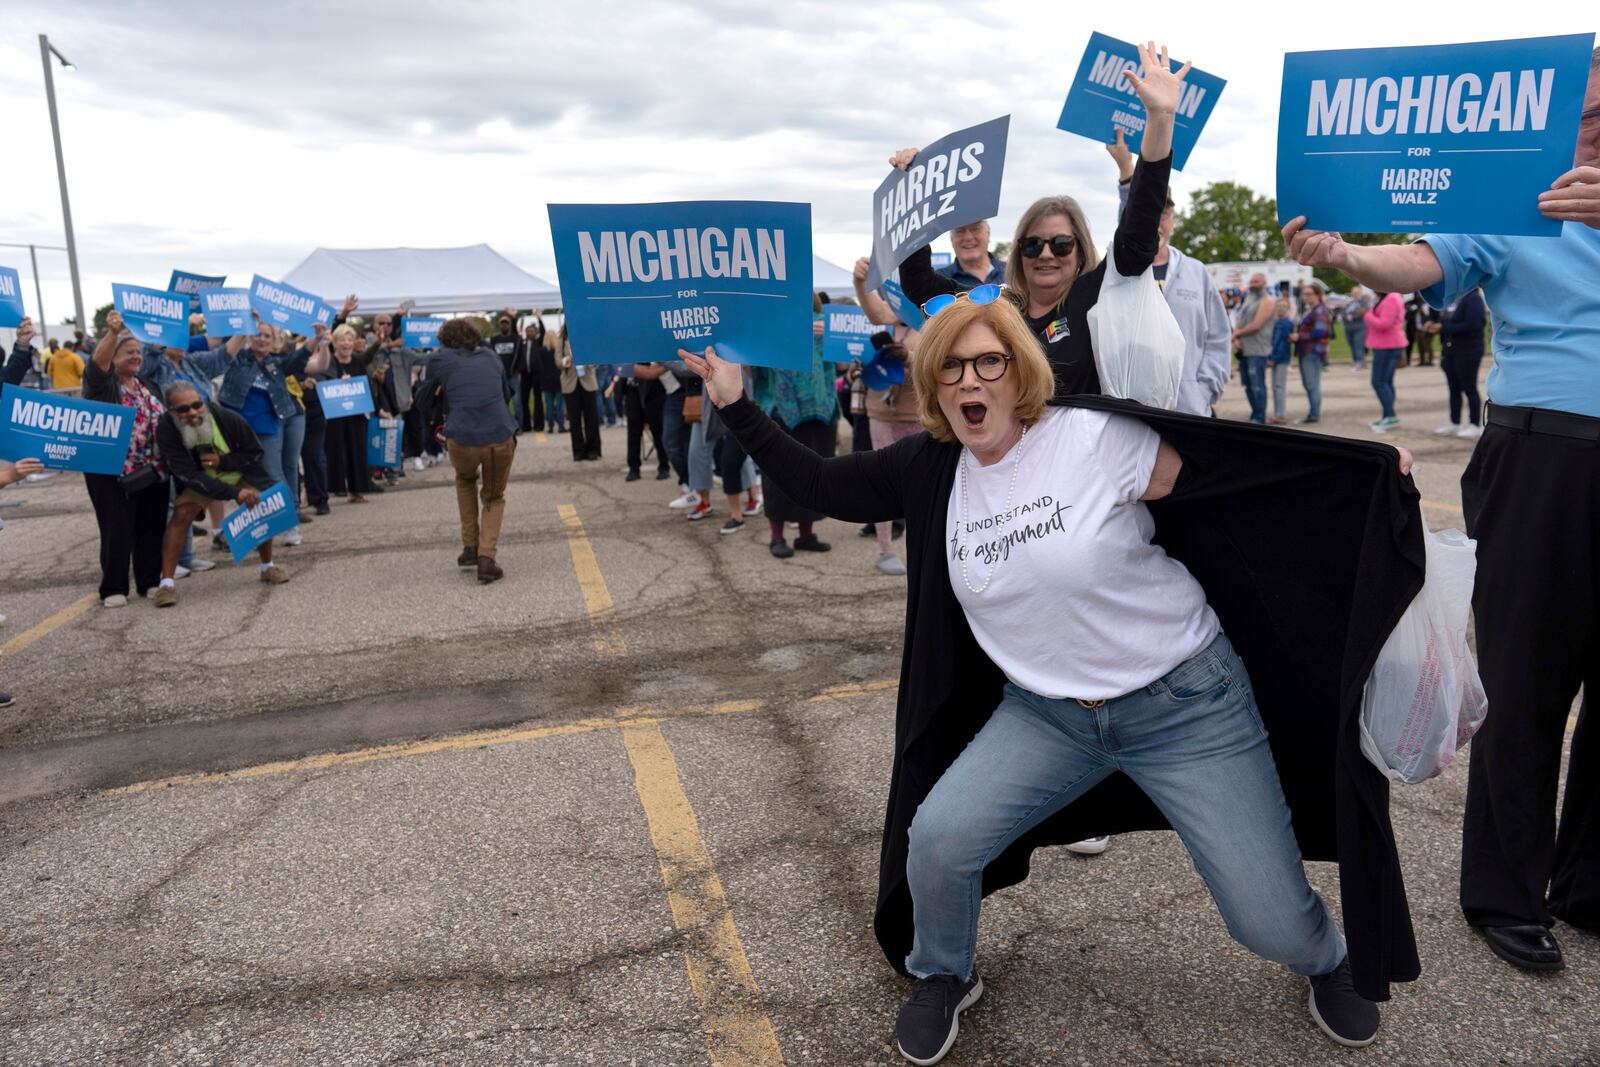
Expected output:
(1533, 948)
(633, 476)
(663, 474)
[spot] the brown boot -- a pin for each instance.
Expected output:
(489, 570)
(468, 557)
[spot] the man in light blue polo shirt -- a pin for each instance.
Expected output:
(1532, 499)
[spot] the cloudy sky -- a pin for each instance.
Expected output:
(236, 138)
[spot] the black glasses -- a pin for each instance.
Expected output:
(989, 367)
(1061, 246)
(184, 409)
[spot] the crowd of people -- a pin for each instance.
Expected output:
(1021, 500)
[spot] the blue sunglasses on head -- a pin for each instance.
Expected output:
(983, 294)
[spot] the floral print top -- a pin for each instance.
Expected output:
(147, 412)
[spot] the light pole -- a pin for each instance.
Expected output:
(45, 51)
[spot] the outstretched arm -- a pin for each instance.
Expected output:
(1386, 268)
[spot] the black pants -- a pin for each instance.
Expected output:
(644, 404)
(411, 429)
(583, 418)
(861, 433)
(1533, 503)
(346, 443)
(1461, 376)
(130, 527)
(313, 459)
(532, 402)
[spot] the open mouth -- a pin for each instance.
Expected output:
(973, 415)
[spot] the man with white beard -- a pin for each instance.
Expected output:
(213, 455)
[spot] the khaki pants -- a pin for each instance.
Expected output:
(495, 464)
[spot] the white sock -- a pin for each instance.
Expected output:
(268, 566)
(167, 583)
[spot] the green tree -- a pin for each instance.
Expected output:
(100, 319)
(1227, 222)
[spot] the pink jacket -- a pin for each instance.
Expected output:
(1386, 323)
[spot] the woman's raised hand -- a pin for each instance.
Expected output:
(114, 321)
(724, 380)
(1158, 87)
(903, 158)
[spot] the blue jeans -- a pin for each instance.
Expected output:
(555, 411)
(1311, 378)
(702, 459)
(272, 451)
(1254, 374)
(1192, 740)
(1384, 361)
(1358, 345)
(674, 431)
(294, 439)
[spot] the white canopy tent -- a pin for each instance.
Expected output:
(475, 278)
(827, 278)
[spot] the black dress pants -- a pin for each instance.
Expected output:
(583, 419)
(644, 405)
(531, 402)
(1532, 501)
(346, 445)
(1461, 378)
(130, 527)
(314, 458)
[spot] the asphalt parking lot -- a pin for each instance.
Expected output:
(622, 808)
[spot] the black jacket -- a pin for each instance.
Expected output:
(17, 365)
(1252, 504)
(1064, 333)
(244, 455)
(1461, 325)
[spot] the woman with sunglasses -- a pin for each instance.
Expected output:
(1030, 514)
(1054, 273)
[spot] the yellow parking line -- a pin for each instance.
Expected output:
(738, 1031)
(54, 622)
(854, 689)
(596, 596)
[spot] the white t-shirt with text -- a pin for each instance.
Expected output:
(1079, 602)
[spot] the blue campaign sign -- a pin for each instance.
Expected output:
(640, 281)
(344, 397)
(1101, 101)
(954, 181)
(155, 317)
(1439, 139)
(227, 312)
(847, 334)
(64, 432)
(11, 313)
(417, 331)
(383, 443)
(191, 284)
(941, 260)
(288, 308)
(247, 529)
(901, 304)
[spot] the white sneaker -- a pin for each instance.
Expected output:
(292, 538)
(1448, 429)
(417, 464)
(1470, 431)
(182, 572)
(115, 600)
(201, 565)
(889, 563)
(688, 500)
(1090, 846)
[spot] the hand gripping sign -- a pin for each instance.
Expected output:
(64, 432)
(155, 317)
(1101, 101)
(954, 181)
(640, 281)
(1440, 139)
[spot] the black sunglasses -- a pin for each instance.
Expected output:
(1061, 246)
(184, 409)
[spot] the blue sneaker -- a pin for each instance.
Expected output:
(930, 1020)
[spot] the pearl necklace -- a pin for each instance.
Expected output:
(966, 513)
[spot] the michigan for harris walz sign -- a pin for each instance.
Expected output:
(953, 181)
(640, 281)
(1439, 139)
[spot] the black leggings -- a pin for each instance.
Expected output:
(130, 527)
(1461, 375)
(346, 445)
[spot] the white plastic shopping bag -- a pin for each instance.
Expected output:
(1424, 700)
(1138, 348)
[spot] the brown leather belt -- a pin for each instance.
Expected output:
(1089, 703)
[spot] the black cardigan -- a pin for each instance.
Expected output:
(1252, 504)
(1064, 332)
